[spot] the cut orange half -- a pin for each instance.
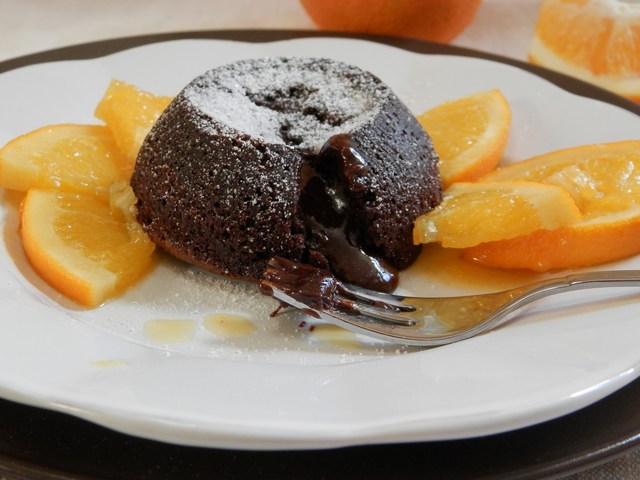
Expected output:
(604, 181)
(469, 134)
(82, 246)
(473, 213)
(595, 40)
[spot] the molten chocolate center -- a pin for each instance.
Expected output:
(332, 227)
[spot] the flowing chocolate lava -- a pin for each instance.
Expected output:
(332, 229)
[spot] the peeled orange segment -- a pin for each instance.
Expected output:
(597, 41)
(473, 213)
(81, 246)
(604, 181)
(469, 134)
(79, 158)
(130, 113)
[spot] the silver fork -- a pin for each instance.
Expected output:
(420, 321)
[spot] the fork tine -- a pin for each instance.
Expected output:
(318, 290)
(378, 298)
(383, 313)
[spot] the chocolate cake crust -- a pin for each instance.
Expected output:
(219, 177)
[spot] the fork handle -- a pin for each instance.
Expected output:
(604, 278)
(577, 281)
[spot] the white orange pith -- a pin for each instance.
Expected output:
(469, 134)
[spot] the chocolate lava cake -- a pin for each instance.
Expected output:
(309, 159)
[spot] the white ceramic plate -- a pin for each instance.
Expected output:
(287, 385)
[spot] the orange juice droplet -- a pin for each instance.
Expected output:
(229, 325)
(337, 337)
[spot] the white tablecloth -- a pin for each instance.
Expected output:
(504, 27)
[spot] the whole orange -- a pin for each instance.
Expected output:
(433, 20)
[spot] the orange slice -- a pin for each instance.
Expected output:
(79, 158)
(595, 40)
(81, 245)
(473, 213)
(469, 134)
(604, 181)
(130, 112)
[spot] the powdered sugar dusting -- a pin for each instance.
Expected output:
(294, 101)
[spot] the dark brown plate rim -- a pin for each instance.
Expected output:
(37, 443)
